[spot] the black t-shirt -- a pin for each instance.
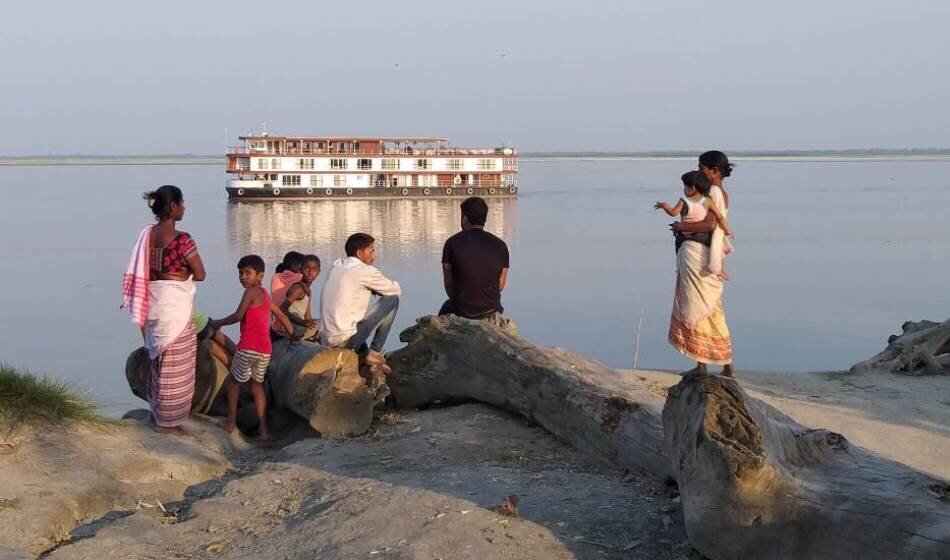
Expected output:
(477, 258)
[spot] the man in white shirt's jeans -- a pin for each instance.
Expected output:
(345, 310)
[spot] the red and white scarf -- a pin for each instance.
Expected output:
(135, 283)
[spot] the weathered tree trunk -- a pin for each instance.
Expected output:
(922, 349)
(594, 408)
(322, 386)
(756, 484)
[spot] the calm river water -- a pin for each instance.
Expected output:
(830, 258)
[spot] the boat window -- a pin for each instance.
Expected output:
(337, 163)
(290, 180)
(364, 164)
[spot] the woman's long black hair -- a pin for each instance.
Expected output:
(716, 160)
(160, 200)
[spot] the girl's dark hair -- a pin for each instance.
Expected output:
(716, 160)
(312, 258)
(160, 200)
(698, 181)
(292, 261)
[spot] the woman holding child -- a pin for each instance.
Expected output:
(698, 323)
(158, 289)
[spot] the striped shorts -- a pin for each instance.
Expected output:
(247, 364)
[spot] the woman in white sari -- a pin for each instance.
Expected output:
(698, 326)
(158, 289)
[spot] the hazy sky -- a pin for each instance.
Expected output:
(128, 77)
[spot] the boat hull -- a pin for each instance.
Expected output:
(303, 193)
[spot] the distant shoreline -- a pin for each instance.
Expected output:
(105, 160)
(789, 156)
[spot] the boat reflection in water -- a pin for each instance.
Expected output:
(410, 231)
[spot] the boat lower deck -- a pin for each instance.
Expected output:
(307, 193)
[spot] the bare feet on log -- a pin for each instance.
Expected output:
(377, 359)
(375, 377)
(699, 370)
(229, 427)
(262, 439)
(174, 431)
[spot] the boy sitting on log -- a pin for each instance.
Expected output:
(254, 348)
(348, 318)
(296, 304)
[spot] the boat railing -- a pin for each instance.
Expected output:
(478, 181)
(441, 152)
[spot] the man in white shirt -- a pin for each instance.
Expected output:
(348, 318)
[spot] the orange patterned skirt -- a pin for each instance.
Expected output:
(698, 324)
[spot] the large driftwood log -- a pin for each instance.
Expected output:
(594, 408)
(756, 484)
(321, 385)
(922, 349)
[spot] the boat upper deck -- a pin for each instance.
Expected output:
(357, 146)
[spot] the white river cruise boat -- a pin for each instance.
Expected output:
(333, 167)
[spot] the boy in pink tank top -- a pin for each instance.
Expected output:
(254, 348)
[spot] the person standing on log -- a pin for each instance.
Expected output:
(158, 289)
(698, 326)
(474, 266)
(250, 362)
(348, 319)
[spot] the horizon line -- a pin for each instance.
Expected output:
(550, 153)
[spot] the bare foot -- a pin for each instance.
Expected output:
(262, 438)
(174, 430)
(698, 370)
(378, 360)
(229, 427)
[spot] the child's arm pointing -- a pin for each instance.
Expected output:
(237, 315)
(670, 211)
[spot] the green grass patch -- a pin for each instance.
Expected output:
(27, 397)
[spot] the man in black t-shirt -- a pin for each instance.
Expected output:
(474, 266)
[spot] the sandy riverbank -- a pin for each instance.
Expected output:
(421, 484)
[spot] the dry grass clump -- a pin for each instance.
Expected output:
(25, 397)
